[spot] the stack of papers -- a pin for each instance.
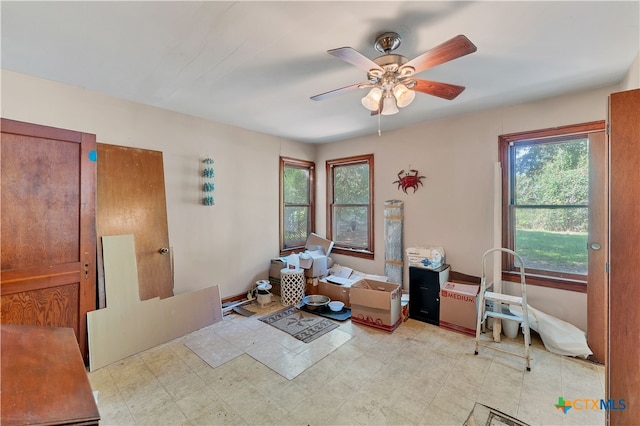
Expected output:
(333, 279)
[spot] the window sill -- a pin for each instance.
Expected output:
(365, 254)
(287, 252)
(547, 281)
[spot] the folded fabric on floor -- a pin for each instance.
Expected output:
(559, 337)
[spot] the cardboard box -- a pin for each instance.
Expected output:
(312, 286)
(315, 242)
(376, 304)
(314, 264)
(459, 307)
(314, 258)
(275, 267)
(430, 257)
(335, 291)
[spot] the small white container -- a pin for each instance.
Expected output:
(336, 305)
(263, 292)
(510, 328)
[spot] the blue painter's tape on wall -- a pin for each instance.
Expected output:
(93, 155)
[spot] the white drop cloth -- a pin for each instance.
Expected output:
(559, 337)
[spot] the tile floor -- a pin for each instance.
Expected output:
(418, 375)
(279, 351)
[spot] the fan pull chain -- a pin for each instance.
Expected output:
(379, 132)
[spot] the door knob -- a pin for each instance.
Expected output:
(595, 246)
(164, 250)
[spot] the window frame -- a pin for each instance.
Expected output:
(572, 282)
(367, 159)
(311, 167)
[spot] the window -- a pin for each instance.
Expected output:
(546, 204)
(350, 205)
(297, 201)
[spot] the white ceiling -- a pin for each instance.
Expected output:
(255, 64)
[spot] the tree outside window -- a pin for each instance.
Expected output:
(350, 205)
(297, 217)
(550, 201)
(546, 203)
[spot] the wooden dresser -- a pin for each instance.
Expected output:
(43, 378)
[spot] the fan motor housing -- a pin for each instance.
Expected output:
(391, 59)
(390, 64)
(387, 42)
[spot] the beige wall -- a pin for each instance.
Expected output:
(231, 243)
(454, 209)
(632, 78)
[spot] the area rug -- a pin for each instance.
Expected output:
(481, 415)
(302, 325)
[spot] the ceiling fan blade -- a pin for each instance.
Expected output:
(434, 88)
(445, 52)
(354, 57)
(340, 91)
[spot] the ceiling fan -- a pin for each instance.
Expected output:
(391, 77)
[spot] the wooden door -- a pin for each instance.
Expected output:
(131, 200)
(597, 246)
(48, 227)
(623, 368)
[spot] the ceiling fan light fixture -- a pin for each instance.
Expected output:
(372, 100)
(389, 106)
(403, 95)
(391, 77)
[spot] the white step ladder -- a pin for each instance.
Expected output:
(500, 299)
